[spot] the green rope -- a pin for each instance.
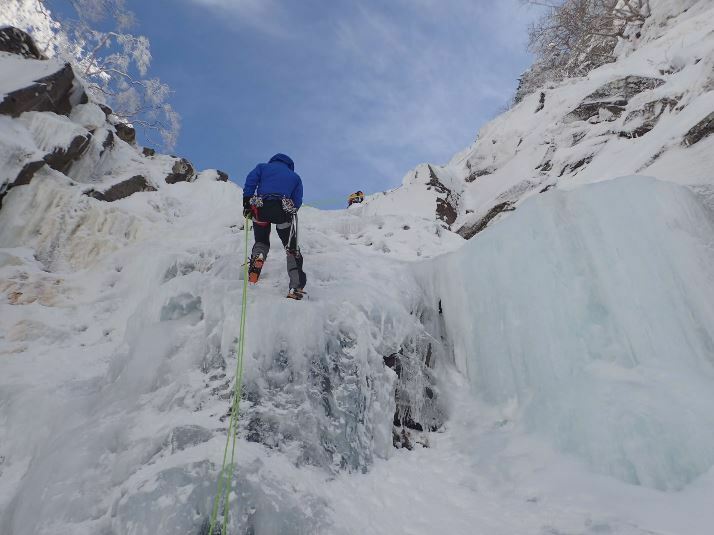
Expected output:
(225, 478)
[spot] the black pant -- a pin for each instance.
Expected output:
(272, 212)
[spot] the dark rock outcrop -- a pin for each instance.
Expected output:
(469, 231)
(612, 98)
(445, 211)
(573, 167)
(546, 163)
(222, 177)
(51, 93)
(61, 159)
(587, 110)
(648, 116)
(126, 132)
(108, 143)
(447, 203)
(699, 131)
(146, 151)
(15, 41)
(473, 175)
(23, 178)
(182, 171)
(624, 88)
(121, 190)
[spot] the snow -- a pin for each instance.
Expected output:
(89, 115)
(16, 149)
(571, 343)
(145, 305)
(528, 148)
(19, 72)
(51, 131)
(107, 358)
(33, 17)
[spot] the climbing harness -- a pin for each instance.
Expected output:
(225, 478)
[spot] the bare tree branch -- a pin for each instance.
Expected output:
(576, 36)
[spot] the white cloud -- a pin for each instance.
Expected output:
(391, 83)
(424, 80)
(267, 16)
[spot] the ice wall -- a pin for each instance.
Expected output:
(593, 311)
(117, 334)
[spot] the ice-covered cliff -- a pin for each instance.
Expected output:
(551, 375)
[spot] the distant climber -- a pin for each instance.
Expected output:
(273, 194)
(355, 198)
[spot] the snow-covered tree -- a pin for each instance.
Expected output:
(575, 36)
(113, 62)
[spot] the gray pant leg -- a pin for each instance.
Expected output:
(293, 257)
(262, 240)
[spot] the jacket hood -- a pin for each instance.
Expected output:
(283, 158)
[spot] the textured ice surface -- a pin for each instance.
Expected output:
(126, 387)
(593, 312)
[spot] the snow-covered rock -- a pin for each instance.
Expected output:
(639, 114)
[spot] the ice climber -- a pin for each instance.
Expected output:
(273, 194)
(355, 198)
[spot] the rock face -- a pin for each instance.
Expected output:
(473, 175)
(126, 132)
(108, 142)
(222, 177)
(53, 125)
(446, 204)
(121, 190)
(15, 41)
(644, 119)
(51, 93)
(609, 101)
(61, 159)
(699, 131)
(469, 231)
(182, 171)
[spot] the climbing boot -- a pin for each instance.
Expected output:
(256, 264)
(294, 294)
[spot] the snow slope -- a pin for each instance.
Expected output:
(586, 129)
(560, 364)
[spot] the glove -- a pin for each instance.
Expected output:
(247, 208)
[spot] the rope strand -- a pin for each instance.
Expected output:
(225, 478)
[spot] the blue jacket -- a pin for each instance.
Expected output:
(275, 178)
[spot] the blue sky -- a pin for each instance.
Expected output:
(357, 92)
